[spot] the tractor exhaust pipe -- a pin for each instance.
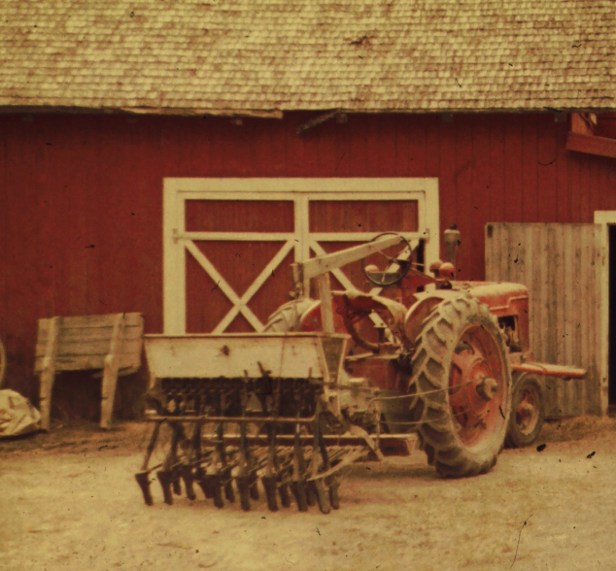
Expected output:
(452, 241)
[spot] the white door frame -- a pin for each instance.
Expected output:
(177, 240)
(605, 218)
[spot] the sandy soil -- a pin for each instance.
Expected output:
(69, 501)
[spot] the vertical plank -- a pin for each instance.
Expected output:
(512, 168)
(528, 171)
(568, 294)
(110, 371)
(602, 285)
(559, 265)
(498, 186)
(547, 157)
(48, 370)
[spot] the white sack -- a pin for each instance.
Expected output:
(17, 415)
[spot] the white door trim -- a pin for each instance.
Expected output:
(605, 218)
(177, 241)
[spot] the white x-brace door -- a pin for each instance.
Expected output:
(178, 242)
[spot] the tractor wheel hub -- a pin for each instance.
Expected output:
(487, 388)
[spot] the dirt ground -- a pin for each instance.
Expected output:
(68, 501)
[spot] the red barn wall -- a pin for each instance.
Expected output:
(81, 195)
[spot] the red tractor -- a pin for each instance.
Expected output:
(349, 375)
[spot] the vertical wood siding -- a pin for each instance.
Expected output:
(560, 264)
(81, 195)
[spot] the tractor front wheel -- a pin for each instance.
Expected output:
(461, 382)
(527, 412)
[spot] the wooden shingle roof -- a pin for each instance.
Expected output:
(271, 56)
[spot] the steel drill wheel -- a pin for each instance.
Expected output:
(287, 316)
(462, 383)
(527, 413)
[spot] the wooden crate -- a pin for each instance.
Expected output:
(110, 343)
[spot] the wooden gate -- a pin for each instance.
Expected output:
(228, 243)
(562, 266)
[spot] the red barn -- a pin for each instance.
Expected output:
(172, 158)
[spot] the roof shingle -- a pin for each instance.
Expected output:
(268, 56)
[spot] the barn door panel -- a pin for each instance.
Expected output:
(229, 243)
(236, 249)
(561, 266)
(224, 281)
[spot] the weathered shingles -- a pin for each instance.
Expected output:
(275, 55)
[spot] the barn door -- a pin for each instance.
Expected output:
(561, 264)
(229, 243)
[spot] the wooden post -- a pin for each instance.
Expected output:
(48, 370)
(110, 371)
(325, 295)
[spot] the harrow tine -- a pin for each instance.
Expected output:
(243, 487)
(283, 491)
(213, 479)
(317, 488)
(143, 479)
(299, 493)
(317, 484)
(187, 476)
(151, 445)
(270, 478)
(169, 476)
(221, 460)
(254, 489)
(200, 474)
(283, 479)
(213, 482)
(143, 476)
(165, 479)
(334, 492)
(202, 481)
(247, 479)
(298, 485)
(269, 484)
(311, 496)
(187, 471)
(175, 483)
(228, 485)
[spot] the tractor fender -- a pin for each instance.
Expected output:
(423, 306)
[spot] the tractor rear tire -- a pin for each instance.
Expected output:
(462, 386)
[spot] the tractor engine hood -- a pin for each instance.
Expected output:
(498, 296)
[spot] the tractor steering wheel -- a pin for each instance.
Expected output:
(383, 269)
